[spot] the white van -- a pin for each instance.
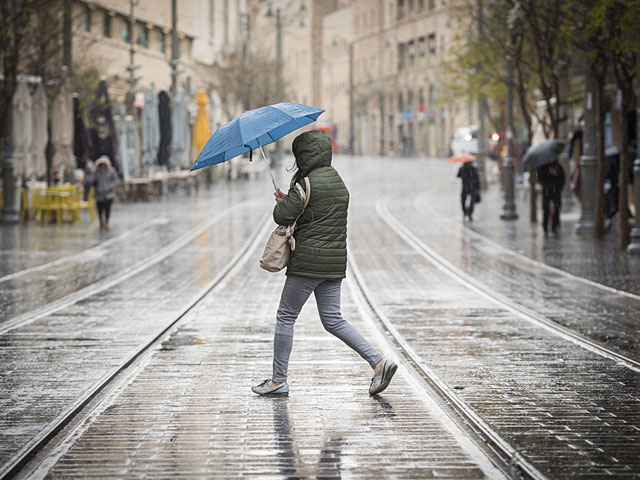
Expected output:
(465, 140)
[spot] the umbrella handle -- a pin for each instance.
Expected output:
(273, 180)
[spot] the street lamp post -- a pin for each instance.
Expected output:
(588, 160)
(174, 48)
(9, 206)
(509, 207)
(563, 128)
(351, 106)
(480, 157)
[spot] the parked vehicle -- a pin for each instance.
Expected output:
(465, 140)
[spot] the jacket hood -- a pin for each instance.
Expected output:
(312, 149)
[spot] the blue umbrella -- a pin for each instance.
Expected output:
(255, 129)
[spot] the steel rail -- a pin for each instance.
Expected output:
(494, 446)
(119, 276)
(529, 260)
(14, 465)
(502, 301)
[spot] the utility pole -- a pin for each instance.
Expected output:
(480, 157)
(563, 130)
(133, 80)
(175, 53)
(634, 246)
(509, 207)
(351, 112)
(279, 86)
(588, 160)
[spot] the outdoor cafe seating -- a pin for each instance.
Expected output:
(63, 202)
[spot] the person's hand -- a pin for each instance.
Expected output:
(279, 195)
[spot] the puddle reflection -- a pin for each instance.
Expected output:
(329, 466)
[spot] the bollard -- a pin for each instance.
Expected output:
(634, 246)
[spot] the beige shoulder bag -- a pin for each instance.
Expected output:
(281, 242)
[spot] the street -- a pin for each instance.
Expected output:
(131, 353)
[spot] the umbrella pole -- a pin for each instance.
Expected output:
(273, 180)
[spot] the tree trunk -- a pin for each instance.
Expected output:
(623, 202)
(598, 216)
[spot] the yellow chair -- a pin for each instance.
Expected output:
(69, 201)
(24, 205)
(44, 203)
(89, 204)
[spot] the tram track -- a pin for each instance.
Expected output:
(504, 455)
(54, 433)
(120, 276)
(501, 300)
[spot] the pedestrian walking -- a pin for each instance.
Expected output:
(468, 174)
(105, 180)
(551, 178)
(318, 264)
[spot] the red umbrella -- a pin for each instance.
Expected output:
(462, 158)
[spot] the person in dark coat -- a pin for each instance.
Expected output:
(551, 178)
(319, 262)
(470, 188)
(105, 180)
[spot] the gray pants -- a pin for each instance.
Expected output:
(295, 293)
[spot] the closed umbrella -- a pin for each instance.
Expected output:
(103, 134)
(164, 119)
(201, 129)
(121, 134)
(62, 134)
(22, 131)
(131, 133)
(81, 137)
(150, 130)
(180, 135)
(39, 115)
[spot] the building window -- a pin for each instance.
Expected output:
(400, 9)
(411, 53)
(106, 25)
(432, 4)
(162, 41)
(126, 31)
(410, 2)
(422, 51)
(401, 56)
(143, 36)
(432, 43)
(85, 19)
(420, 6)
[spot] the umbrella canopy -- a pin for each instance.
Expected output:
(201, 129)
(180, 135)
(542, 153)
(462, 158)
(253, 129)
(150, 129)
(39, 114)
(131, 133)
(81, 138)
(21, 133)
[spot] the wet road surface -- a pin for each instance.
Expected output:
(187, 410)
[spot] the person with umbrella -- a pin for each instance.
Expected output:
(543, 157)
(468, 174)
(319, 261)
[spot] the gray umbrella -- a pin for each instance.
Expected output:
(40, 135)
(542, 153)
(150, 130)
(181, 136)
(21, 133)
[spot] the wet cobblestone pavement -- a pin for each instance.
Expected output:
(89, 302)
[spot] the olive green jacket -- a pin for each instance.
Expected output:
(321, 231)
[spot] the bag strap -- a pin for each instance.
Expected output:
(306, 196)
